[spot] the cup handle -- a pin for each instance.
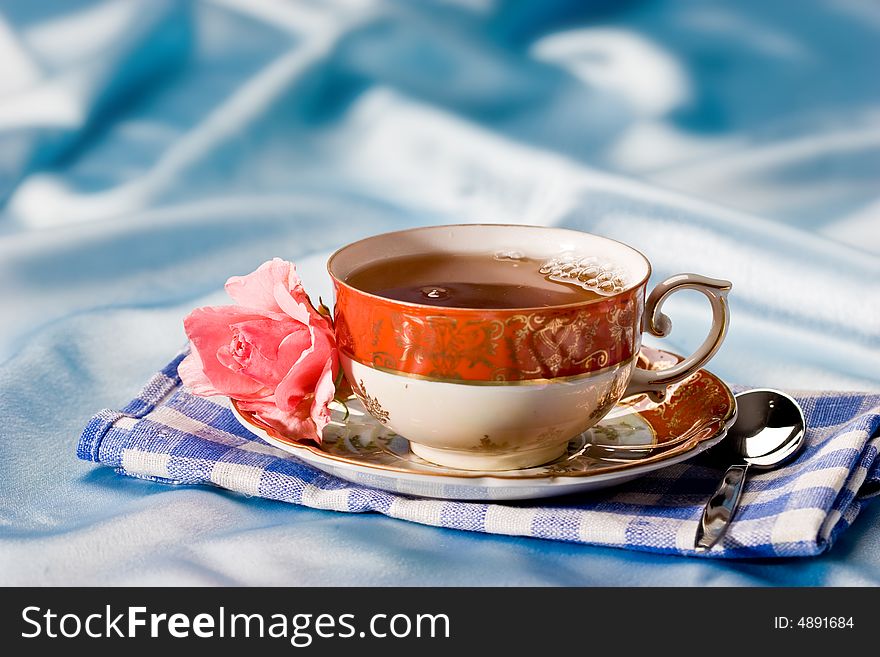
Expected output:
(654, 382)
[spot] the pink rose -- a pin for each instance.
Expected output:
(273, 353)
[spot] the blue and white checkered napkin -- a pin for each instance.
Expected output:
(170, 436)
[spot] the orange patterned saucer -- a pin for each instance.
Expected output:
(636, 437)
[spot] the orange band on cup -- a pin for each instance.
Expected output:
(461, 344)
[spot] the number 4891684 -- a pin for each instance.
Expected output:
(824, 622)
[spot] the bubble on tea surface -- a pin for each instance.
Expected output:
(509, 256)
(587, 272)
(434, 292)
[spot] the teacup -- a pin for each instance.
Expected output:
(500, 389)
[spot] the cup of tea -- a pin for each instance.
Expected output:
(490, 346)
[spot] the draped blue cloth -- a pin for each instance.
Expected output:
(149, 149)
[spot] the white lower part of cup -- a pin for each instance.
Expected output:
(470, 460)
(487, 426)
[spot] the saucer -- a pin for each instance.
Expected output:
(636, 437)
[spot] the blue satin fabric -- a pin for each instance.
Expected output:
(149, 149)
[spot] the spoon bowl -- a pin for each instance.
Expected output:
(768, 431)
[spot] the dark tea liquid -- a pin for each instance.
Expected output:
(466, 281)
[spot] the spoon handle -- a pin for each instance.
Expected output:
(721, 508)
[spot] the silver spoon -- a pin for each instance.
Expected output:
(769, 430)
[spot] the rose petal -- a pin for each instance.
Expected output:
(276, 347)
(297, 424)
(296, 308)
(257, 289)
(209, 330)
(192, 373)
(306, 372)
(324, 393)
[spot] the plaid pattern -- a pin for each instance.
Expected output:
(170, 436)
